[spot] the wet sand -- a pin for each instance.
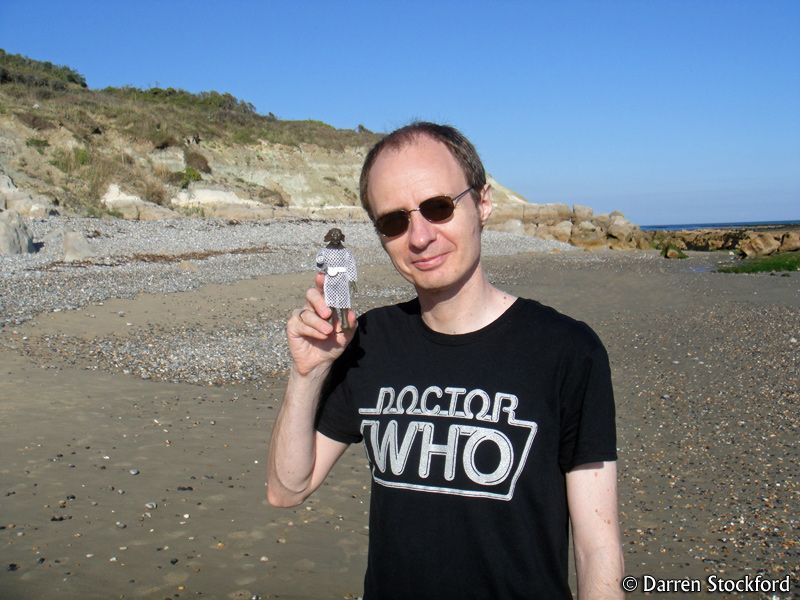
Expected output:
(706, 373)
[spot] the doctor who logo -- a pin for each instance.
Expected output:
(447, 441)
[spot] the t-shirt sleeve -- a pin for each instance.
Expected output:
(337, 418)
(588, 430)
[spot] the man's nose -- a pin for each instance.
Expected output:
(421, 232)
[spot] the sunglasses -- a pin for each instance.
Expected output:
(436, 210)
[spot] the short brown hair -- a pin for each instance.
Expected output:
(460, 147)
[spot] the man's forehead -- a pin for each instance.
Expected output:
(422, 160)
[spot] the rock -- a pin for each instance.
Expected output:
(672, 252)
(133, 207)
(510, 226)
(562, 231)
(621, 229)
(587, 234)
(25, 204)
(790, 241)
(541, 231)
(28, 205)
(759, 244)
(581, 213)
(602, 220)
(549, 214)
(6, 184)
(169, 159)
(222, 204)
(76, 247)
(14, 235)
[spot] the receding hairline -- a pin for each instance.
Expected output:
(462, 151)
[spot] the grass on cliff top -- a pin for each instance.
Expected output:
(785, 261)
(163, 116)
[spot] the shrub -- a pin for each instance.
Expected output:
(68, 161)
(163, 140)
(154, 191)
(37, 144)
(188, 176)
(195, 160)
(35, 121)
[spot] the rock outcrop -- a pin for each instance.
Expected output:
(578, 225)
(25, 204)
(132, 207)
(14, 235)
(748, 242)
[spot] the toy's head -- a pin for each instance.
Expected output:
(334, 237)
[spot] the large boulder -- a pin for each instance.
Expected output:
(562, 231)
(581, 213)
(790, 241)
(76, 247)
(589, 235)
(621, 229)
(759, 244)
(549, 214)
(32, 206)
(134, 208)
(14, 235)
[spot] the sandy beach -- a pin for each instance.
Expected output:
(135, 421)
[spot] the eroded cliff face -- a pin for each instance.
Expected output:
(266, 178)
(46, 167)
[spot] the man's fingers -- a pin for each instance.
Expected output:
(316, 302)
(305, 322)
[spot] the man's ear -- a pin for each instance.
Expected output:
(485, 204)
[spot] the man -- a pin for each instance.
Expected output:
(488, 419)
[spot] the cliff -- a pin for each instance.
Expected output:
(166, 153)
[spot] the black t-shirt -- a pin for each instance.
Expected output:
(469, 437)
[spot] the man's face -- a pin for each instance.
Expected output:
(434, 257)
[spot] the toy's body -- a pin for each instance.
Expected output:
(340, 271)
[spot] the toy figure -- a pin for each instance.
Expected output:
(340, 271)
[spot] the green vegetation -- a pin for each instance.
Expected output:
(162, 116)
(188, 176)
(785, 261)
(118, 127)
(671, 251)
(37, 144)
(69, 162)
(15, 68)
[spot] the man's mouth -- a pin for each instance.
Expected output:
(429, 262)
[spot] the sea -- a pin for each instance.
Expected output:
(735, 225)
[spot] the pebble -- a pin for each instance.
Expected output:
(151, 505)
(40, 282)
(134, 471)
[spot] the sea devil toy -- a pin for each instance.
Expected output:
(340, 271)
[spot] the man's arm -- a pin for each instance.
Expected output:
(299, 457)
(592, 499)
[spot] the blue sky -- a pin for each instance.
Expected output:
(671, 111)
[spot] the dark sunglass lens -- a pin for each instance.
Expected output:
(392, 224)
(437, 209)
